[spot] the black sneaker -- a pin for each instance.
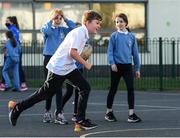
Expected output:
(86, 124)
(13, 115)
(15, 90)
(7, 89)
(110, 117)
(133, 118)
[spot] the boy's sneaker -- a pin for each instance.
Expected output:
(86, 124)
(47, 117)
(110, 117)
(74, 118)
(133, 118)
(2, 87)
(13, 114)
(23, 87)
(60, 119)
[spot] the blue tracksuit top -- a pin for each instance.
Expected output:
(11, 51)
(15, 32)
(53, 36)
(122, 47)
(79, 66)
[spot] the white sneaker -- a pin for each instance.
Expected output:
(47, 117)
(60, 119)
(74, 118)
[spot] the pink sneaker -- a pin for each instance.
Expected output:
(2, 87)
(23, 87)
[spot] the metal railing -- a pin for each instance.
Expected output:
(160, 64)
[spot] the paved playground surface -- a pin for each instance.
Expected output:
(159, 111)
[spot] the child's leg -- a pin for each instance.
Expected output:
(129, 80)
(78, 80)
(16, 76)
(3, 80)
(76, 101)
(6, 67)
(48, 101)
(59, 101)
(21, 71)
(128, 77)
(49, 88)
(68, 94)
(115, 78)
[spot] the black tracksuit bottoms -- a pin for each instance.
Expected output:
(125, 71)
(52, 85)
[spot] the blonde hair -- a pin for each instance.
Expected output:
(90, 15)
(55, 12)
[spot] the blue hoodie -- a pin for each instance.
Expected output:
(12, 52)
(15, 32)
(53, 36)
(122, 47)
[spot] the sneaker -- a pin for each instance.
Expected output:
(86, 124)
(13, 114)
(7, 88)
(2, 87)
(47, 117)
(74, 118)
(23, 87)
(110, 117)
(60, 119)
(133, 118)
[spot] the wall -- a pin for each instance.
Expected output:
(163, 18)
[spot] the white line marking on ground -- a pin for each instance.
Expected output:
(127, 130)
(151, 106)
(99, 112)
(116, 104)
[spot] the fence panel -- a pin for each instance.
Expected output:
(160, 64)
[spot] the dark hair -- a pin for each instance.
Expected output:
(13, 20)
(91, 15)
(9, 35)
(125, 19)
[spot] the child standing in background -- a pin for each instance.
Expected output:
(12, 52)
(122, 47)
(13, 26)
(53, 35)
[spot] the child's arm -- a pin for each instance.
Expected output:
(136, 59)
(47, 29)
(74, 54)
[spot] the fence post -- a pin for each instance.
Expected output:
(173, 59)
(160, 64)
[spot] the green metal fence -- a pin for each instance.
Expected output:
(160, 64)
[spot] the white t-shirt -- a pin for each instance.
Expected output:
(61, 63)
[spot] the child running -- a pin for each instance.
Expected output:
(62, 66)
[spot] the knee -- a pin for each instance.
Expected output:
(86, 88)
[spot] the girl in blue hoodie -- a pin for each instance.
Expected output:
(54, 34)
(12, 52)
(13, 26)
(122, 49)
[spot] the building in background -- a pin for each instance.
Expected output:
(32, 14)
(147, 18)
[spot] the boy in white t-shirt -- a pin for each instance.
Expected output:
(62, 66)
